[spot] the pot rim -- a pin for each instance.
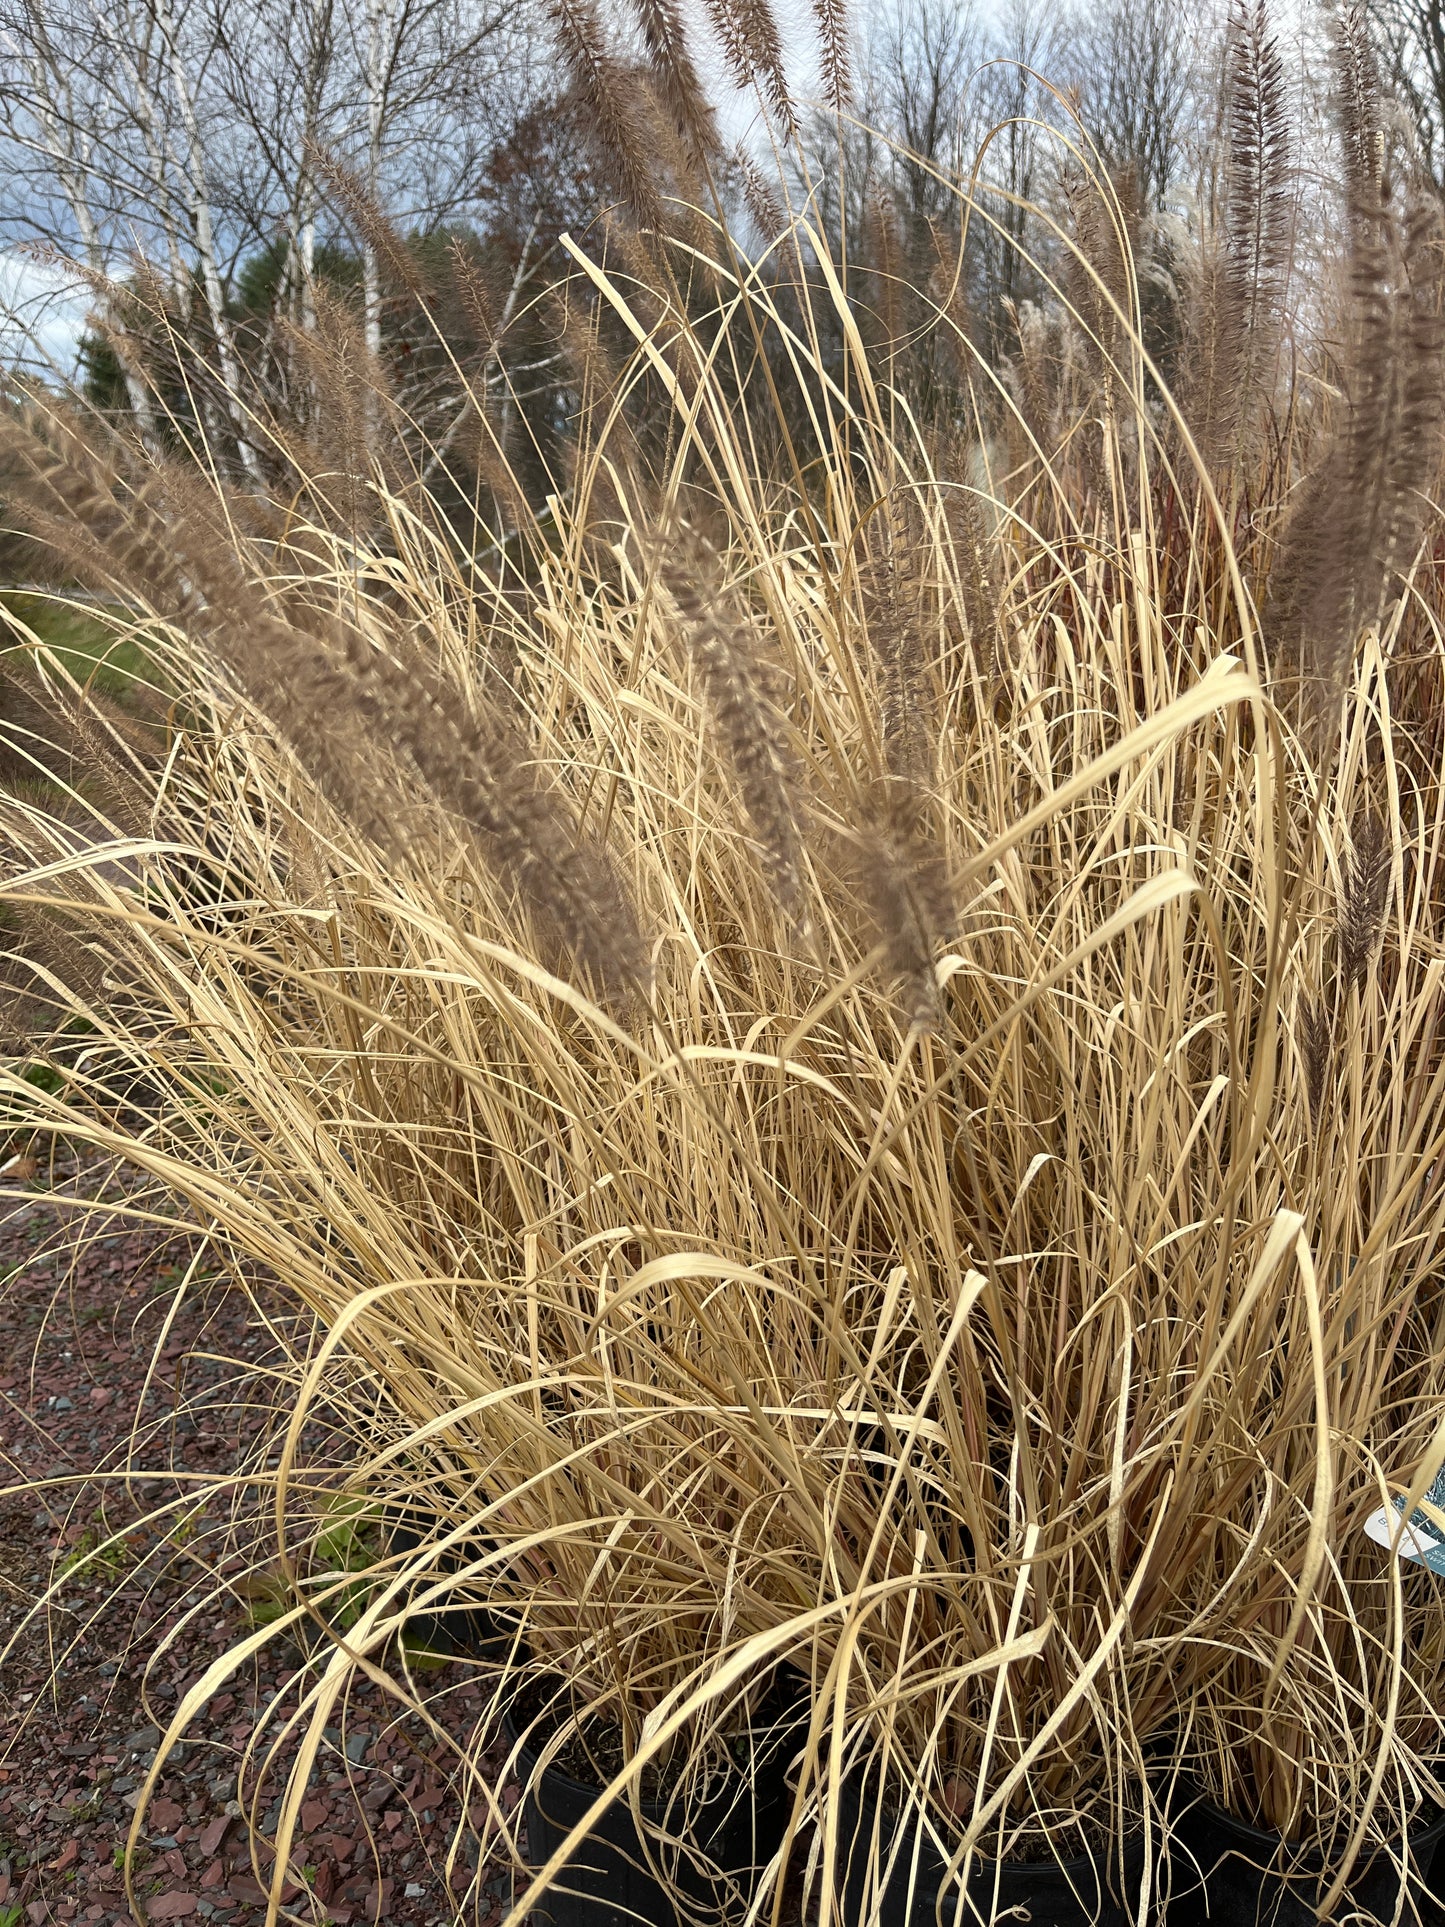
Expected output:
(1271, 1838)
(529, 1752)
(1131, 1843)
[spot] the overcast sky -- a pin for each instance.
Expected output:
(42, 313)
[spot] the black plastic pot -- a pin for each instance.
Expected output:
(1237, 1875)
(467, 1632)
(1050, 1893)
(615, 1879)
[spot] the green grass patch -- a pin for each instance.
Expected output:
(87, 644)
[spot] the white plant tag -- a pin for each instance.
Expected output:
(1421, 1539)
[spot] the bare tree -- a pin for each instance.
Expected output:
(62, 135)
(1411, 37)
(922, 62)
(1017, 108)
(1135, 64)
(189, 132)
(965, 97)
(958, 101)
(277, 82)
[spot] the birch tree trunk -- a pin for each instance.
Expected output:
(380, 56)
(203, 235)
(61, 131)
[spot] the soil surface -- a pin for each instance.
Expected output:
(118, 1590)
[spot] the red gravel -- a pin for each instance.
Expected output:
(87, 1682)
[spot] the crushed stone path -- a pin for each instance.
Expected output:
(104, 1362)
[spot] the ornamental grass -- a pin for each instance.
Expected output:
(839, 1036)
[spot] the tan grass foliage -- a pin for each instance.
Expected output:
(517, 973)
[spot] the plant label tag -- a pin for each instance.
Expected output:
(1421, 1539)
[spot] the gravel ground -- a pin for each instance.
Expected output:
(101, 1363)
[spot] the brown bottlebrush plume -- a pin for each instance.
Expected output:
(363, 722)
(835, 60)
(153, 345)
(475, 296)
(1358, 516)
(1312, 599)
(624, 246)
(609, 91)
(1032, 371)
(687, 169)
(481, 770)
(681, 173)
(902, 875)
(765, 44)
(162, 541)
(1357, 112)
(1107, 220)
(886, 275)
(577, 329)
(1047, 378)
(675, 74)
(903, 881)
(973, 560)
(1415, 398)
(1259, 159)
(125, 312)
(337, 430)
(39, 946)
(398, 261)
(1238, 305)
(154, 295)
(748, 722)
(765, 206)
(725, 23)
(893, 613)
(486, 442)
(75, 771)
(1313, 1042)
(753, 48)
(1361, 911)
(114, 757)
(948, 289)
(73, 504)
(478, 768)
(1205, 386)
(30, 743)
(760, 198)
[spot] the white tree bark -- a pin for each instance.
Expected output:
(61, 131)
(197, 137)
(203, 232)
(380, 58)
